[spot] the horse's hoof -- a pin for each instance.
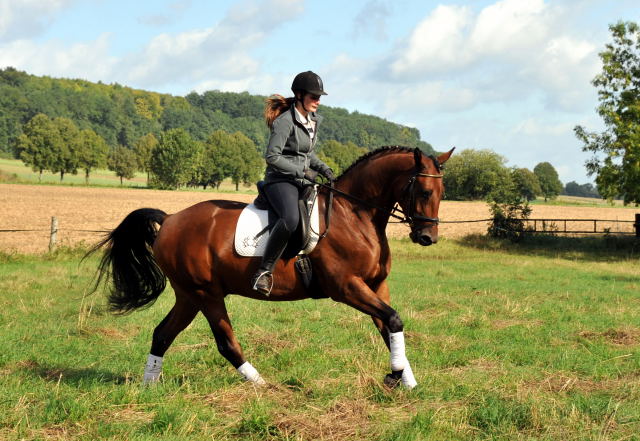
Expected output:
(393, 379)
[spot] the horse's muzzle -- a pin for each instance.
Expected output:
(424, 237)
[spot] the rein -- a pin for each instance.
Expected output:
(409, 217)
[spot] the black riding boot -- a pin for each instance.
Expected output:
(263, 280)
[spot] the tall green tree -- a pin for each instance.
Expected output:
(175, 161)
(216, 162)
(143, 148)
(342, 155)
(123, 162)
(526, 183)
(475, 174)
(616, 151)
(92, 152)
(248, 164)
(550, 184)
(36, 145)
(65, 154)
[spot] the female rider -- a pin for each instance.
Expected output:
(291, 161)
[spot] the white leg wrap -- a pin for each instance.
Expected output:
(152, 370)
(408, 380)
(251, 374)
(398, 358)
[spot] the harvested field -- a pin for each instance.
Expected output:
(88, 208)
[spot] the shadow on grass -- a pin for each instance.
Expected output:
(593, 249)
(70, 375)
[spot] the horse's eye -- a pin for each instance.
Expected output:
(426, 194)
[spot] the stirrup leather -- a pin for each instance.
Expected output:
(263, 282)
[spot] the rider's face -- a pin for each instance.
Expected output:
(311, 102)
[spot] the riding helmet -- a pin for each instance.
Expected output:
(308, 82)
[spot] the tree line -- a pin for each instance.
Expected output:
(483, 174)
(122, 115)
(172, 160)
(202, 139)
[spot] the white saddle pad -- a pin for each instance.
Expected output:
(253, 220)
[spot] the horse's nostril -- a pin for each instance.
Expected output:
(425, 240)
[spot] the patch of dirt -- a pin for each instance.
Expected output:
(298, 417)
(619, 337)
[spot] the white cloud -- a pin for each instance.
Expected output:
(435, 45)
(90, 60)
(535, 127)
(428, 95)
(176, 9)
(507, 51)
(372, 20)
(219, 53)
(509, 25)
(21, 19)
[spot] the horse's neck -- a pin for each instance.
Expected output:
(375, 185)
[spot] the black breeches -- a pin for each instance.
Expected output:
(283, 197)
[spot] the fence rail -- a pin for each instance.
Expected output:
(583, 226)
(539, 226)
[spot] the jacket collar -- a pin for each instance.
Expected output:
(312, 115)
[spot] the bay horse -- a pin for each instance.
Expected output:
(194, 249)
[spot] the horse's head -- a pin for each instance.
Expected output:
(421, 197)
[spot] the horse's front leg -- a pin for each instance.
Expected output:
(357, 294)
(408, 380)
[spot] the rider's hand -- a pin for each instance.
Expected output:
(310, 175)
(328, 173)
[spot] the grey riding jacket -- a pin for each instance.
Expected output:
(290, 151)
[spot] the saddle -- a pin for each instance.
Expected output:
(256, 220)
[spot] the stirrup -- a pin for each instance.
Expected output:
(263, 282)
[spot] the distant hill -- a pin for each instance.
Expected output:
(121, 115)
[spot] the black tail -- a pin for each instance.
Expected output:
(137, 280)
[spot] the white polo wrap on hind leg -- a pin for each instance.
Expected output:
(152, 369)
(250, 374)
(396, 345)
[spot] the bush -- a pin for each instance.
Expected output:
(509, 212)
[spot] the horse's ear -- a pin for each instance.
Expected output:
(445, 156)
(417, 157)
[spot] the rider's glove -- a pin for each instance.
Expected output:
(310, 175)
(328, 173)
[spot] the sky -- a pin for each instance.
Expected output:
(511, 76)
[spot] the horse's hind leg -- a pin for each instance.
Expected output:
(215, 311)
(182, 313)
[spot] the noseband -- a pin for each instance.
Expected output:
(410, 217)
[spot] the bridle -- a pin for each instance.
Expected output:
(408, 217)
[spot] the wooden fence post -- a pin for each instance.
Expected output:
(54, 232)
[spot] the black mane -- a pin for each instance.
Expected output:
(380, 150)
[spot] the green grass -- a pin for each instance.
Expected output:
(98, 178)
(534, 341)
(13, 171)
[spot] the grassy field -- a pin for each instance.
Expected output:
(14, 171)
(535, 341)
